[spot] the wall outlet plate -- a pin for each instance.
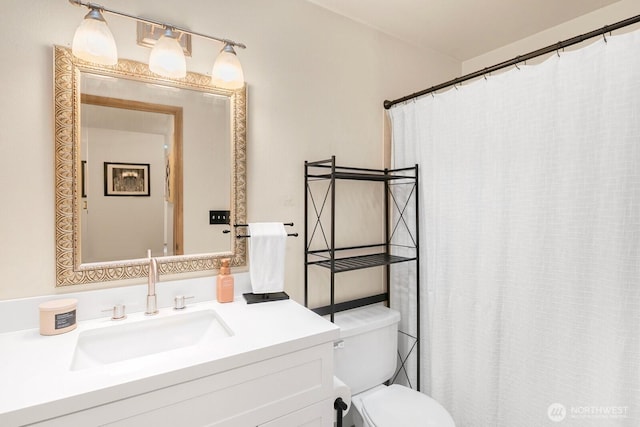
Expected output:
(219, 217)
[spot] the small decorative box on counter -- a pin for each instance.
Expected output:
(58, 316)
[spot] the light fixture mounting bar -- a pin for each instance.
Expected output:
(151, 21)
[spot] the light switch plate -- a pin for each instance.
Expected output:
(219, 217)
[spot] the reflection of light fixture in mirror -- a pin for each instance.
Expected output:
(227, 71)
(164, 60)
(93, 40)
(166, 57)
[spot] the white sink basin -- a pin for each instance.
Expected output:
(130, 340)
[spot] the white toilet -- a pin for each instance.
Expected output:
(364, 359)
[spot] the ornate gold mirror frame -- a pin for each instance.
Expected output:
(69, 267)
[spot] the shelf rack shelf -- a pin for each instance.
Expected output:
(361, 261)
(342, 259)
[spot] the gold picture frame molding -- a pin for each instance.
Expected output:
(68, 170)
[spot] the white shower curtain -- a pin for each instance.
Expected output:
(530, 241)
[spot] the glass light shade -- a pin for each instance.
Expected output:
(227, 71)
(93, 40)
(167, 58)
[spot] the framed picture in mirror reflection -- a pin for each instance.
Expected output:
(126, 179)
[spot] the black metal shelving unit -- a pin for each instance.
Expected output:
(343, 259)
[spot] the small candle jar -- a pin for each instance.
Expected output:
(58, 316)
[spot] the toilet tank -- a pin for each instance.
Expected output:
(366, 354)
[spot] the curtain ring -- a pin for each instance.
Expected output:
(516, 63)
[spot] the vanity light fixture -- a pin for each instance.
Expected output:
(167, 57)
(227, 71)
(93, 40)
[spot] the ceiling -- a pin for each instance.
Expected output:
(462, 29)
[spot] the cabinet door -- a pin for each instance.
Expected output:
(318, 415)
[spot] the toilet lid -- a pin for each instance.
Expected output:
(400, 406)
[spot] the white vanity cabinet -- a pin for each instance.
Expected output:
(294, 389)
(287, 383)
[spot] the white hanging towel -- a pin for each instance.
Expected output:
(266, 256)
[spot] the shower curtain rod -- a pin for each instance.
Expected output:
(518, 59)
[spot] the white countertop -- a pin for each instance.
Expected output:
(36, 381)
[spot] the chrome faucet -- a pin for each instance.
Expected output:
(154, 277)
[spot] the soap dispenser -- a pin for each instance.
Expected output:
(224, 292)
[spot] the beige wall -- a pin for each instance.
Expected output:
(316, 86)
(607, 15)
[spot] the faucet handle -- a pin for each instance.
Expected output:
(117, 312)
(178, 302)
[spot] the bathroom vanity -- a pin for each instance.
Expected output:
(211, 364)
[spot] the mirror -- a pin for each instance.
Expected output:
(141, 161)
(131, 160)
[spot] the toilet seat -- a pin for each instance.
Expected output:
(400, 406)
